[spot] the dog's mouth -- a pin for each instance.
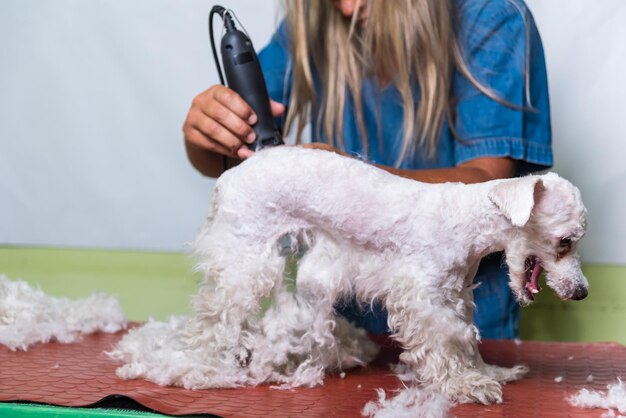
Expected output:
(532, 270)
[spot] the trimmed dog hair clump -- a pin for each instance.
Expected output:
(613, 398)
(29, 316)
(411, 402)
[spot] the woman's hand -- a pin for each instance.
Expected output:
(219, 123)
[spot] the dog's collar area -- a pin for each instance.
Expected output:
(533, 270)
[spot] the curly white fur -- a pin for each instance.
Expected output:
(613, 399)
(409, 403)
(360, 231)
(29, 316)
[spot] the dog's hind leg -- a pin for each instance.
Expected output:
(318, 276)
(237, 277)
(321, 341)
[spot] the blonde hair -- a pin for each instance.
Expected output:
(403, 42)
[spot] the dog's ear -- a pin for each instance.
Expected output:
(516, 198)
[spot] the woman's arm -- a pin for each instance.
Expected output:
(208, 163)
(475, 171)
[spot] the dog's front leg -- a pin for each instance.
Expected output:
(501, 374)
(432, 325)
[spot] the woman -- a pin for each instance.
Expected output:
(433, 90)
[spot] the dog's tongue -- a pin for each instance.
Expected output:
(533, 284)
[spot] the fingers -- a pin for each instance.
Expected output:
(219, 120)
(244, 152)
(229, 120)
(234, 103)
(206, 133)
(198, 140)
(276, 108)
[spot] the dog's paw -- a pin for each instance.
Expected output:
(472, 387)
(506, 374)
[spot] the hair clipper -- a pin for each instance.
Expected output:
(244, 75)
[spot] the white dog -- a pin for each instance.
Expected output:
(360, 231)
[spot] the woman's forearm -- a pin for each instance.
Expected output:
(475, 171)
(209, 163)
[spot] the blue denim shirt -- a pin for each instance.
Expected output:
(503, 50)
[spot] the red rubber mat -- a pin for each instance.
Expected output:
(80, 374)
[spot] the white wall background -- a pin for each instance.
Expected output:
(585, 46)
(93, 95)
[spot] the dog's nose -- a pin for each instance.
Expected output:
(580, 293)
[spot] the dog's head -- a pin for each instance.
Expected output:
(548, 219)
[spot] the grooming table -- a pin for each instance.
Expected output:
(80, 375)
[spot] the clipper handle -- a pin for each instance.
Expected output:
(244, 75)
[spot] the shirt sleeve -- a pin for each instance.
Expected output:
(503, 51)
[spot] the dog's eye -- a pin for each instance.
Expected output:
(565, 242)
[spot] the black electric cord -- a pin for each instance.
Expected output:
(230, 26)
(215, 10)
